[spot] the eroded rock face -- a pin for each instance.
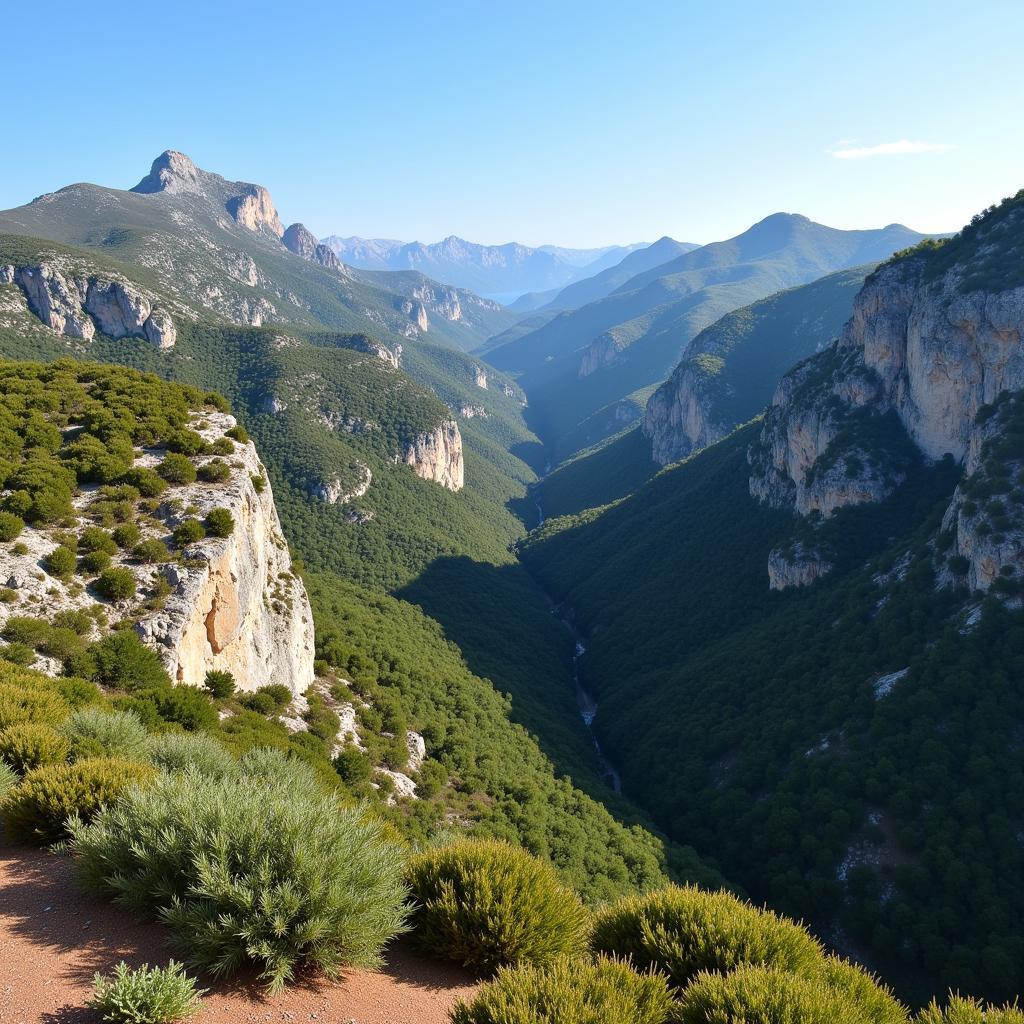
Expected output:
(254, 209)
(437, 455)
(676, 420)
(798, 566)
(75, 304)
(301, 241)
(335, 492)
(236, 604)
(602, 351)
(171, 172)
(480, 377)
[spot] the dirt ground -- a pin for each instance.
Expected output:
(53, 939)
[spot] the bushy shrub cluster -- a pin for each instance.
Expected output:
(95, 732)
(147, 995)
(260, 867)
(488, 904)
(30, 745)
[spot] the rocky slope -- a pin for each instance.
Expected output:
(931, 345)
(728, 372)
(437, 455)
(229, 603)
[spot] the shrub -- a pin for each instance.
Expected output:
(93, 732)
(26, 629)
(124, 662)
(189, 706)
(9, 778)
(151, 550)
(195, 752)
(214, 472)
(187, 442)
(126, 535)
(353, 765)
(569, 992)
(488, 904)
(329, 889)
(239, 433)
(177, 469)
(32, 744)
(10, 526)
(26, 697)
(221, 684)
(39, 808)
(762, 995)
(61, 562)
(92, 538)
(222, 446)
(148, 995)
(219, 522)
(685, 930)
(117, 584)
(875, 1002)
(188, 532)
(95, 562)
(963, 1010)
(145, 481)
(18, 653)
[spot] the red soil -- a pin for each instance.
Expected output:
(53, 939)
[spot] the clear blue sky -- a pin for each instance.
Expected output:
(560, 121)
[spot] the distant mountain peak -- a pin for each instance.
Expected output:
(171, 172)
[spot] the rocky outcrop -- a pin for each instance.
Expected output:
(235, 603)
(677, 419)
(480, 377)
(171, 172)
(417, 314)
(336, 492)
(470, 412)
(796, 566)
(437, 455)
(74, 304)
(440, 300)
(254, 209)
(301, 241)
(602, 351)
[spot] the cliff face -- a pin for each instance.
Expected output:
(301, 241)
(602, 351)
(798, 566)
(437, 455)
(229, 603)
(677, 420)
(255, 210)
(74, 303)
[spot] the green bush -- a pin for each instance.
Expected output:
(682, 931)
(961, 1010)
(126, 535)
(18, 653)
(39, 809)
(569, 992)
(177, 469)
(94, 732)
(762, 995)
(877, 1004)
(188, 532)
(95, 562)
(25, 696)
(117, 584)
(353, 765)
(32, 744)
(487, 904)
(145, 481)
(239, 433)
(124, 662)
(187, 442)
(10, 526)
(260, 867)
(148, 995)
(92, 538)
(215, 471)
(151, 551)
(190, 751)
(222, 446)
(221, 684)
(61, 562)
(26, 629)
(219, 522)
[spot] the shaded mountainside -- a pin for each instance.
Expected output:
(592, 358)
(730, 369)
(879, 704)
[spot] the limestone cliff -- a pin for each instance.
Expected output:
(437, 455)
(602, 351)
(677, 419)
(797, 566)
(301, 241)
(74, 302)
(254, 209)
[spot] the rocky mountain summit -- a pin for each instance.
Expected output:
(933, 344)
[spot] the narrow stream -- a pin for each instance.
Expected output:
(584, 701)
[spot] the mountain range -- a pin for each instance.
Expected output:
(499, 272)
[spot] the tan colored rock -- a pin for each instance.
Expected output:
(437, 455)
(55, 300)
(796, 567)
(254, 209)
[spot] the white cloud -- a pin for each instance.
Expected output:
(843, 151)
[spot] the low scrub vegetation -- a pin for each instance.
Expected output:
(148, 995)
(487, 904)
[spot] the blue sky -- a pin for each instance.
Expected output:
(566, 122)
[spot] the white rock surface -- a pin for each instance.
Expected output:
(437, 455)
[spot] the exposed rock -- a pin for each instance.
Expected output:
(333, 491)
(798, 566)
(480, 377)
(417, 314)
(883, 684)
(241, 608)
(254, 209)
(602, 351)
(56, 301)
(301, 241)
(437, 455)
(273, 404)
(676, 420)
(122, 310)
(171, 172)
(472, 411)
(417, 750)
(440, 300)
(7, 275)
